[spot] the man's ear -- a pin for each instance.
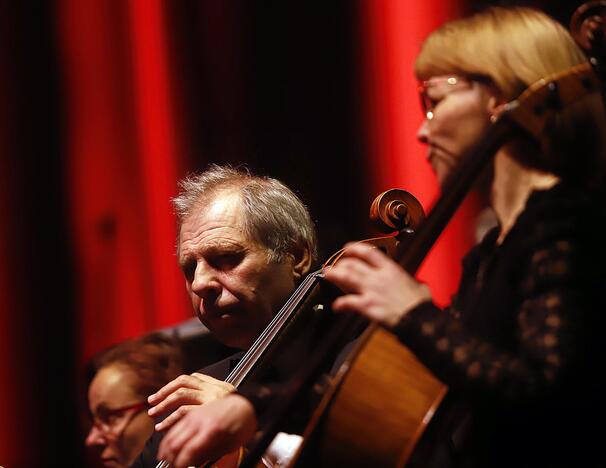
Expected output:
(301, 262)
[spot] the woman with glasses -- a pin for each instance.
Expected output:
(124, 376)
(520, 345)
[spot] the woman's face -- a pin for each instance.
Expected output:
(457, 112)
(121, 424)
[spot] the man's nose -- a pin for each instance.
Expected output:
(95, 437)
(206, 284)
(423, 132)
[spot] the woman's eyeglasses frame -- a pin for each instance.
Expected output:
(123, 417)
(428, 104)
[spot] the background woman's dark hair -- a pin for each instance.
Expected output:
(155, 359)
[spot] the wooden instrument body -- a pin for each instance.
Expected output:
(381, 401)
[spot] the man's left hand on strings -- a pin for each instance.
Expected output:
(184, 394)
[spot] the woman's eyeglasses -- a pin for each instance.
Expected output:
(113, 421)
(447, 84)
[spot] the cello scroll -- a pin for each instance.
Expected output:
(396, 210)
(396, 213)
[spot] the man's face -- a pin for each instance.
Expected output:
(234, 288)
(458, 116)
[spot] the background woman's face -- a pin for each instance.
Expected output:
(118, 436)
(460, 115)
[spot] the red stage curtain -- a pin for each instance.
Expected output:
(123, 163)
(393, 31)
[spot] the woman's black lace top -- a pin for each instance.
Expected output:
(523, 335)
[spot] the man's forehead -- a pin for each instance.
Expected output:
(218, 221)
(219, 203)
(221, 208)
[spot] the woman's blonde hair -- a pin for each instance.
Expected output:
(513, 48)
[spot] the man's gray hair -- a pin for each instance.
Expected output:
(273, 215)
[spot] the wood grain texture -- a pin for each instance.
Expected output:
(378, 407)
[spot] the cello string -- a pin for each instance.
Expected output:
(237, 375)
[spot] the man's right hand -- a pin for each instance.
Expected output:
(183, 394)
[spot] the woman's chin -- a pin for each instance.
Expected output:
(112, 462)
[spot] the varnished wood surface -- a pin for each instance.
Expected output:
(380, 403)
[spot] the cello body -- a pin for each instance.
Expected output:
(380, 403)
